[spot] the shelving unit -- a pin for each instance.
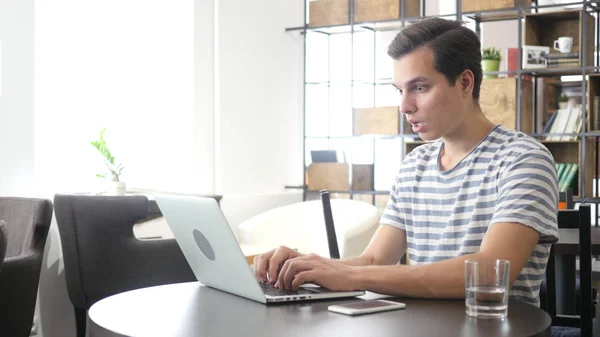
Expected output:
(511, 100)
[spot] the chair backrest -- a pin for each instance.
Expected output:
(101, 254)
(574, 219)
(2, 242)
(27, 225)
(332, 243)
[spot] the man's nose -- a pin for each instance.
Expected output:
(407, 105)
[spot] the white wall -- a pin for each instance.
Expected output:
(127, 66)
(16, 100)
(502, 35)
(259, 87)
(156, 79)
(204, 100)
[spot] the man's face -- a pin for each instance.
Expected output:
(432, 106)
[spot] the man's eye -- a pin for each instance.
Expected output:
(420, 88)
(399, 90)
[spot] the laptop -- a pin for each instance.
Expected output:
(215, 257)
(323, 156)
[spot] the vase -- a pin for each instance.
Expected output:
(562, 105)
(490, 65)
(115, 188)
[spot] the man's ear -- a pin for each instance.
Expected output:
(467, 82)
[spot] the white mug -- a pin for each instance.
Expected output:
(563, 44)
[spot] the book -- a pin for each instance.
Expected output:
(568, 178)
(559, 61)
(560, 168)
(571, 55)
(563, 175)
(512, 63)
(549, 123)
(559, 124)
(595, 122)
(571, 124)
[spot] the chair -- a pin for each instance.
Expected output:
(102, 256)
(302, 226)
(2, 242)
(27, 224)
(581, 220)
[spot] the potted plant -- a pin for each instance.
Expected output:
(115, 185)
(563, 101)
(490, 61)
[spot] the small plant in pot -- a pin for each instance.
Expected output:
(563, 101)
(490, 61)
(113, 174)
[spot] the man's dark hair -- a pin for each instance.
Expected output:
(455, 48)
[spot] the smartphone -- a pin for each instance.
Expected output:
(366, 307)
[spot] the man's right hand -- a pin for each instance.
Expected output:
(267, 265)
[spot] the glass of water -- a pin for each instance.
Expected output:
(486, 288)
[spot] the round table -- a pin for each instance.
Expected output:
(191, 309)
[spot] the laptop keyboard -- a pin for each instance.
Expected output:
(269, 289)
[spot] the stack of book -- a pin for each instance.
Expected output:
(595, 122)
(567, 121)
(563, 59)
(566, 173)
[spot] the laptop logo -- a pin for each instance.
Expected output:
(204, 245)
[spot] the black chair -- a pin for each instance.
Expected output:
(2, 242)
(575, 219)
(102, 256)
(27, 225)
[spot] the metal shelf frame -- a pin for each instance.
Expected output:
(518, 13)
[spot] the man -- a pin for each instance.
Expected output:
(477, 190)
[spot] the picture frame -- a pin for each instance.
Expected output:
(535, 57)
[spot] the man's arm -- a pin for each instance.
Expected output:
(446, 279)
(386, 247)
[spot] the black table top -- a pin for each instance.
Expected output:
(190, 309)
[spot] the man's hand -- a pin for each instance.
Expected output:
(331, 274)
(268, 264)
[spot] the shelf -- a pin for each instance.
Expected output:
(537, 29)
(570, 152)
(494, 15)
(586, 200)
(559, 141)
(376, 81)
(556, 71)
(506, 14)
(550, 72)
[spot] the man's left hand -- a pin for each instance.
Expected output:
(312, 268)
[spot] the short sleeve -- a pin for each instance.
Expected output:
(528, 193)
(392, 215)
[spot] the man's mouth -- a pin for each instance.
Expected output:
(417, 126)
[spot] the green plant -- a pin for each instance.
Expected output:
(563, 98)
(109, 160)
(491, 53)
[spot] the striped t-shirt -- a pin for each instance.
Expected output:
(507, 177)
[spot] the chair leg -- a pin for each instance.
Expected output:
(80, 321)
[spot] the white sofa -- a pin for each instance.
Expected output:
(302, 226)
